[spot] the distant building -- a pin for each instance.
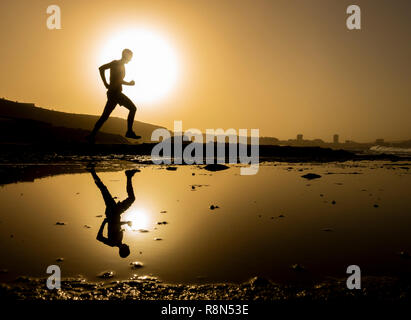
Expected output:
(336, 139)
(299, 138)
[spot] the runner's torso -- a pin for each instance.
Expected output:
(117, 74)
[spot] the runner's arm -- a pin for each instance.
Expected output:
(102, 70)
(131, 83)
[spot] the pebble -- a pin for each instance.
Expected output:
(215, 167)
(106, 274)
(311, 176)
(136, 265)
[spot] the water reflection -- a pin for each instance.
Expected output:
(113, 212)
(243, 238)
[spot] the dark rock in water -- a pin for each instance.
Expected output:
(376, 205)
(298, 267)
(162, 222)
(193, 174)
(212, 207)
(158, 239)
(215, 167)
(142, 230)
(281, 216)
(311, 176)
(99, 216)
(164, 211)
(60, 223)
(333, 202)
(327, 230)
(136, 265)
(106, 274)
(86, 226)
(60, 259)
(171, 168)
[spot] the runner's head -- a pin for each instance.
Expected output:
(124, 250)
(126, 55)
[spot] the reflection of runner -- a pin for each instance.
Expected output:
(115, 95)
(113, 212)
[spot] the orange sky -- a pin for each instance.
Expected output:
(285, 67)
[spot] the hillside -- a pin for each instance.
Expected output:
(117, 126)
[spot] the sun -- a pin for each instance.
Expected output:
(154, 67)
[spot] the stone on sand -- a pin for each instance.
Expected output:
(311, 176)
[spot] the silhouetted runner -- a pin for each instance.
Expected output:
(113, 214)
(115, 95)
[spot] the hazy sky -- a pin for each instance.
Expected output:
(285, 67)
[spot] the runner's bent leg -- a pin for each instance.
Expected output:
(127, 103)
(108, 109)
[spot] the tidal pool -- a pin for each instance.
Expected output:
(356, 213)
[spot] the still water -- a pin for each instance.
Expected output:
(356, 213)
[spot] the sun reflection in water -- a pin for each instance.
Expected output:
(140, 219)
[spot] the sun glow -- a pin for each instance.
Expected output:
(154, 67)
(139, 219)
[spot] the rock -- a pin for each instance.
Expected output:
(136, 265)
(162, 222)
(376, 205)
(106, 274)
(311, 176)
(333, 202)
(142, 230)
(164, 211)
(327, 230)
(281, 216)
(212, 207)
(99, 216)
(171, 168)
(158, 239)
(60, 259)
(86, 226)
(60, 223)
(215, 167)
